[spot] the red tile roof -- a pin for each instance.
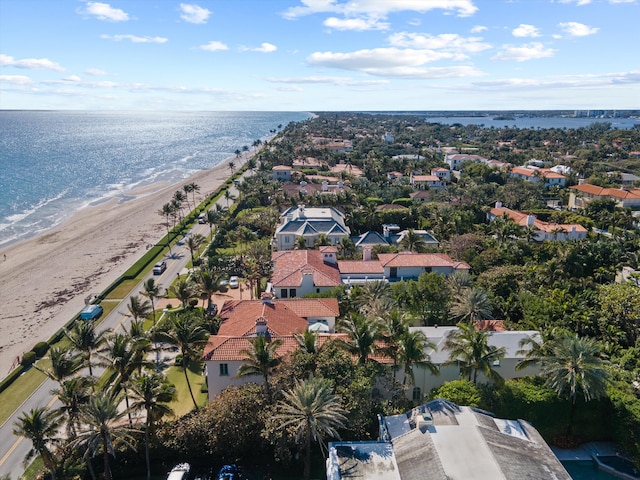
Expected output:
(490, 325)
(607, 192)
(239, 318)
(411, 259)
(289, 266)
(520, 218)
(360, 266)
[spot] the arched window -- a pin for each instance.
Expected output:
(417, 394)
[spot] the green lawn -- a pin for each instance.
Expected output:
(123, 289)
(183, 403)
(19, 391)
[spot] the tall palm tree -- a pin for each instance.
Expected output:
(64, 364)
(413, 242)
(122, 359)
(261, 359)
(73, 393)
(470, 350)
(150, 393)
(41, 427)
(103, 429)
(412, 353)
(152, 291)
(193, 244)
(471, 305)
(363, 336)
(212, 218)
(207, 283)
(574, 368)
(167, 211)
(183, 290)
(85, 338)
(228, 197)
(138, 309)
(374, 299)
(187, 333)
(313, 411)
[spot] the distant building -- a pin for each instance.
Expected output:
(297, 273)
(581, 195)
(455, 160)
(543, 230)
(309, 223)
(388, 138)
(282, 173)
(535, 175)
(427, 181)
(443, 441)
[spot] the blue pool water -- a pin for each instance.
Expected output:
(586, 470)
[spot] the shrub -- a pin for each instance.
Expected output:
(178, 361)
(460, 392)
(28, 359)
(405, 202)
(41, 348)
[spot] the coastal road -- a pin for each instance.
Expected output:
(13, 449)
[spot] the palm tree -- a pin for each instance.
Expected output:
(183, 290)
(261, 359)
(150, 392)
(41, 427)
(64, 364)
(412, 353)
(72, 394)
(185, 332)
(228, 197)
(208, 283)
(471, 305)
(312, 410)
(413, 242)
(167, 211)
(573, 367)
(84, 338)
(193, 188)
(213, 217)
(153, 292)
(193, 243)
(300, 243)
(138, 309)
(103, 429)
(363, 336)
(470, 350)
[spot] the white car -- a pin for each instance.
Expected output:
(234, 282)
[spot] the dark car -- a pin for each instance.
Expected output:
(229, 472)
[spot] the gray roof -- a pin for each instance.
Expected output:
(442, 441)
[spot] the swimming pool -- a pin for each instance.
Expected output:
(586, 470)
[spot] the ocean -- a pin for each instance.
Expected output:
(53, 163)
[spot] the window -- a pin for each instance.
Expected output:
(292, 292)
(496, 363)
(224, 369)
(317, 290)
(417, 394)
(393, 272)
(283, 293)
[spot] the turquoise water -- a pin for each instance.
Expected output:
(54, 162)
(586, 470)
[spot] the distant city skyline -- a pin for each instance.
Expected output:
(313, 55)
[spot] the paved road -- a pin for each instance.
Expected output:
(13, 449)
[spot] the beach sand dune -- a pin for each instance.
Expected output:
(45, 279)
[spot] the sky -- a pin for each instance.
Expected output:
(319, 55)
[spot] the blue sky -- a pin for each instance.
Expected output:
(311, 55)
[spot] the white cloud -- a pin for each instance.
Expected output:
(15, 79)
(72, 79)
(339, 81)
(378, 8)
(30, 63)
(524, 30)
(194, 13)
(135, 38)
(522, 53)
(575, 29)
(446, 41)
(567, 81)
(214, 46)
(263, 48)
(104, 11)
(392, 62)
(95, 72)
(478, 29)
(357, 24)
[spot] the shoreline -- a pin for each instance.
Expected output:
(48, 276)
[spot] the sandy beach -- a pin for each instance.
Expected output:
(45, 279)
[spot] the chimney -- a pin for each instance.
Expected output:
(366, 254)
(266, 298)
(325, 186)
(498, 204)
(261, 326)
(530, 220)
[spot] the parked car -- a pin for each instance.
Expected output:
(202, 218)
(234, 282)
(91, 312)
(179, 472)
(229, 472)
(159, 268)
